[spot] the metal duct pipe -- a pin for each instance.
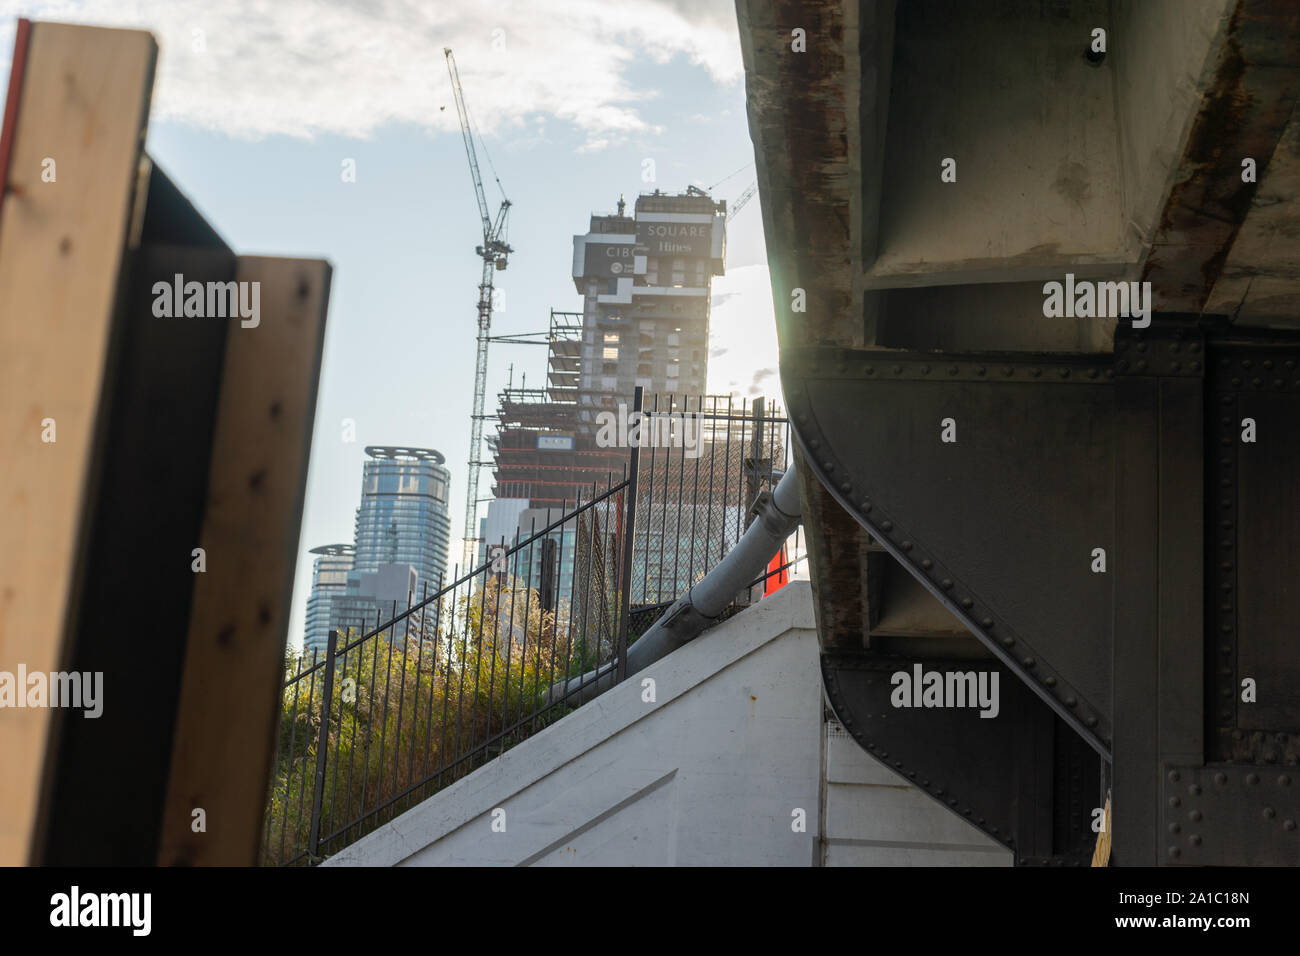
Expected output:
(778, 514)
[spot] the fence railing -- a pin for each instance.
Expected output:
(392, 712)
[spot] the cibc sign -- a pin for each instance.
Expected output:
(609, 259)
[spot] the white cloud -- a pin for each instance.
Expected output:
(252, 68)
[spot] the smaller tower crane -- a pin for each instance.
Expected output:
(494, 252)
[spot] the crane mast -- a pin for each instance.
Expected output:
(494, 252)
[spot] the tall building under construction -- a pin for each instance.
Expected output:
(645, 281)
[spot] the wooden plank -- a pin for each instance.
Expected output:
(141, 525)
(229, 705)
(84, 103)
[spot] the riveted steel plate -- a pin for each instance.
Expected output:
(1253, 595)
(1001, 524)
(1167, 351)
(1231, 815)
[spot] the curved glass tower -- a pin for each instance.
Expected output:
(329, 580)
(403, 516)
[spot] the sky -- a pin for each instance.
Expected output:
(258, 105)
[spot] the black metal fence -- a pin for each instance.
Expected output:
(391, 713)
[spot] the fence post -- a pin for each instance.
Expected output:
(322, 748)
(752, 464)
(629, 540)
(753, 479)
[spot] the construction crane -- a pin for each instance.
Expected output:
(743, 198)
(494, 252)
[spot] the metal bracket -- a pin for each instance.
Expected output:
(975, 768)
(835, 466)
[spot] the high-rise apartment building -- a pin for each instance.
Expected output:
(399, 553)
(329, 580)
(645, 281)
(403, 517)
(372, 599)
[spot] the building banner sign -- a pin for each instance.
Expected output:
(555, 443)
(609, 259)
(675, 238)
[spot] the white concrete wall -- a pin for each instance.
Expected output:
(709, 773)
(871, 816)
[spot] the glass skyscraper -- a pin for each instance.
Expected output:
(399, 553)
(329, 580)
(403, 516)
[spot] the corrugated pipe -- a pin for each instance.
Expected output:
(778, 515)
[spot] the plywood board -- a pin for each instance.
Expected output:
(84, 104)
(229, 705)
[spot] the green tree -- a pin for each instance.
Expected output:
(413, 709)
